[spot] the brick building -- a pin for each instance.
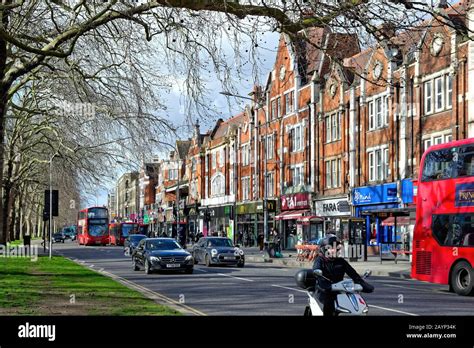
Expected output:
(333, 140)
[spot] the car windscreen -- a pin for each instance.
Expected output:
(162, 244)
(136, 238)
(220, 243)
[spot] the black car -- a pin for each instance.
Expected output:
(131, 243)
(58, 237)
(218, 251)
(159, 254)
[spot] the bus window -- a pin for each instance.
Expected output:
(450, 163)
(454, 229)
(438, 164)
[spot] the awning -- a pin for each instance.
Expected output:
(291, 215)
(306, 220)
(401, 221)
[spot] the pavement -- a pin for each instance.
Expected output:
(260, 288)
(389, 268)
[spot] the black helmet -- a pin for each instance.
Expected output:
(330, 241)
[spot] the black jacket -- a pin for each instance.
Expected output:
(335, 269)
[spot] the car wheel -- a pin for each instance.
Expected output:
(462, 279)
(208, 261)
(189, 271)
(147, 267)
(241, 264)
(135, 266)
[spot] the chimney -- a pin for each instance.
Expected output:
(197, 133)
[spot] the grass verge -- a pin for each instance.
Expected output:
(62, 287)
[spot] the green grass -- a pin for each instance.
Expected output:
(46, 287)
(20, 241)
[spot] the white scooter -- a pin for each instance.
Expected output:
(348, 299)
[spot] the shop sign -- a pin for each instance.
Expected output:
(333, 207)
(464, 195)
(386, 193)
(295, 201)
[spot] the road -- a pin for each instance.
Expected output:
(261, 289)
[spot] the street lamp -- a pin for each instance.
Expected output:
(51, 203)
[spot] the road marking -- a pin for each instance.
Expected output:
(422, 290)
(394, 310)
(288, 288)
(201, 270)
(227, 275)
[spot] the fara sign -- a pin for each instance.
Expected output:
(332, 207)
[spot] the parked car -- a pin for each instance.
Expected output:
(131, 243)
(218, 251)
(161, 254)
(58, 237)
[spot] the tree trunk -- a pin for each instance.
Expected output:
(3, 112)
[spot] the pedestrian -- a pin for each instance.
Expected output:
(260, 240)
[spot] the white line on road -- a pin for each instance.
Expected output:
(288, 288)
(227, 275)
(394, 310)
(384, 308)
(200, 270)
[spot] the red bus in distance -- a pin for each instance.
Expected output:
(92, 226)
(119, 231)
(443, 239)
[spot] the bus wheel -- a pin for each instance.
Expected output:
(462, 278)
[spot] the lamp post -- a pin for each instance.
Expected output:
(51, 203)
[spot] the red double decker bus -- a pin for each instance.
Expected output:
(92, 226)
(118, 231)
(443, 250)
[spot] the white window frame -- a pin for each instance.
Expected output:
(379, 166)
(245, 188)
(270, 182)
(449, 91)
(378, 118)
(445, 136)
(439, 93)
(245, 154)
(297, 175)
(428, 96)
(289, 102)
(278, 107)
(328, 128)
(270, 146)
(297, 138)
(328, 174)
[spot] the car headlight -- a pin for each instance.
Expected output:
(213, 252)
(155, 259)
(189, 258)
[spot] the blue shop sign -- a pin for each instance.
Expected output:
(385, 193)
(407, 191)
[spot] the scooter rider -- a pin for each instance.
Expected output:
(333, 268)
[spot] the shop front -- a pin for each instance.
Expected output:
(193, 221)
(216, 220)
(250, 221)
(386, 210)
(293, 207)
(334, 211)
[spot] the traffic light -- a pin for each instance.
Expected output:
(55, 202)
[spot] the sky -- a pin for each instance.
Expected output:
(228, 106)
